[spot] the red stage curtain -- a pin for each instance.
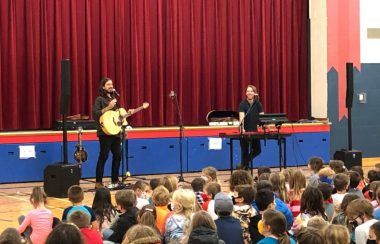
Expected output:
(207, 51)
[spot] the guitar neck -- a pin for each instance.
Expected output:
(136, 110)
(80, 136)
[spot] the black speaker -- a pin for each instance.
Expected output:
(350, 158)
(350, 84)
(59, 177)
(65, 86)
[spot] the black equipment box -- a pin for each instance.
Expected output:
(350, 158)
(59, 177)
(222, 117)
(74, 124)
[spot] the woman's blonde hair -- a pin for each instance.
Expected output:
(141, 234)
(336, 234)
(186, 198)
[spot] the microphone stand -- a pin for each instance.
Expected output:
(124, 153)
(125, 162)
(180, 124)
(241, 125)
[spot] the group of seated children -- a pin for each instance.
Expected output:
(333, 206)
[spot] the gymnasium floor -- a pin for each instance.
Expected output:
(14, 198)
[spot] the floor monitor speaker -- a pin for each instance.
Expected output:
(59, 177)
(350, 158)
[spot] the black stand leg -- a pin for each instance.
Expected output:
(122, 136)
(125, 158)
(180, 141)
(124, 163)
(284, 143)
(180, 177)
(281, 141)
(231, 155)
(251, 166)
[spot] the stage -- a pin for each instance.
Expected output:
(155, 150)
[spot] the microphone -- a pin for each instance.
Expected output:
(172, 94)
(116, 93)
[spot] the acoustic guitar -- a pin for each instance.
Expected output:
(112, 121)
(80, 154)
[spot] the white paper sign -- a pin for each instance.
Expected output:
(214, 143)
(27, 151)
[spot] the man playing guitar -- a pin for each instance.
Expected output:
(106, 101)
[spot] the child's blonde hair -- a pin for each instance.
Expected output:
(297, 184)
(211, 173)
(170, 183)
(37, 196)
(327, 171)
(186, 198)
(173, 182)
(288, 172)
(141, 234)
(161, 196)
(278, 183)
(336, 234)
(317, 222)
